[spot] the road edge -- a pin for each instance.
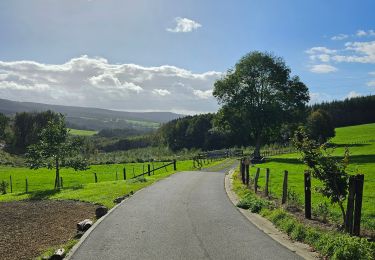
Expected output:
(267, 226)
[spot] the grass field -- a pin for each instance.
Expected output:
(361, 143)
(81, 185)
(82, 132)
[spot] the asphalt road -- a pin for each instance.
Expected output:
(185, 216)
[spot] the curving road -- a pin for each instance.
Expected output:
(185, 216)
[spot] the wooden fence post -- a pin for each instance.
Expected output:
(61, 183)
(174, 165)
(256, 180)
(247, 173)
(242, 171)
(285, 188)
(358, 204)
(95, 177)
(124, 172)
(149, 169)
(267, 181)
(307, 176)
(10, 183)
(27, 186)
(350, 206)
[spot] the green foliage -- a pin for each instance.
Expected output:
(293, 198)
(320, 126)
(330, 171)
(322, 210)
(192, 132)
(3, 187)
(332, 245)
(258, 96)
(27, 127)
(353, 111)
(55, 149)
(253, 203)
(4, 121)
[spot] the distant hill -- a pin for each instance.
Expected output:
(92, 118)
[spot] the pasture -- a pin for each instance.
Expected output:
(82, 132)
(360, 141)
(80, 185)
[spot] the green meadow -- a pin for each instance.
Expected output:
(360, 141)
(80, 185)
(82, 132)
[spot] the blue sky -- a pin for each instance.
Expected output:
(113, 53)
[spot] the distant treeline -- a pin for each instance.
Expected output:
(354, 111)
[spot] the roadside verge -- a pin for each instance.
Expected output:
(267, 227)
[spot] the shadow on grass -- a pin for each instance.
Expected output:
(46, 194)
(360, 159)
(349, 145)
(284, 160)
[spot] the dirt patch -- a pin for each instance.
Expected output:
(27, 228)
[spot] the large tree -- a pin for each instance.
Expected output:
(258, 96)
(56, 149)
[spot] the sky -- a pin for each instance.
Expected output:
(165, 55)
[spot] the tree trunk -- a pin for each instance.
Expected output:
(258, 142)
(57, 180)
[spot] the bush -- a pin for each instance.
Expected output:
(253, 203)
(298, 233)
(3, 187)
(322, 210)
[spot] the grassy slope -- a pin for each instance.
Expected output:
(82, 132)
(362, 160)
(80, 185)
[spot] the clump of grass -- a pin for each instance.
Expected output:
(252, 202)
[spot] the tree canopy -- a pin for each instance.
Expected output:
(258, 96)
(320, 126)
(56, 149)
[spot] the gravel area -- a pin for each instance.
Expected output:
(27, 228)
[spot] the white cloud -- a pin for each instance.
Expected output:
(87, 81)
(203, 94)
(320, 49)
(184, 25)
(371, 83)
(322, 68)
(339, 37)
(353, 94)
(161, 92)
(361, 33)
(317, 97)
(362, 52)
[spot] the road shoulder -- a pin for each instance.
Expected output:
(267, 227)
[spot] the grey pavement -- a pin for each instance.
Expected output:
(185, 216)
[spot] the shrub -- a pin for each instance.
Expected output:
(293, 198)
(298, 233)
(3, 187)
(253, 203)
(322, 210)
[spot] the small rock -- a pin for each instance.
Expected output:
(58, 255)
(84, 225)
(100, 211)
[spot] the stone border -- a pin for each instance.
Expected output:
(267, 226)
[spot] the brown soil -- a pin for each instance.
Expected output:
(27, 228)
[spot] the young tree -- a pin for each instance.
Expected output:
(258, 96)
(56, 149)
(320, 126)
(329, 170)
